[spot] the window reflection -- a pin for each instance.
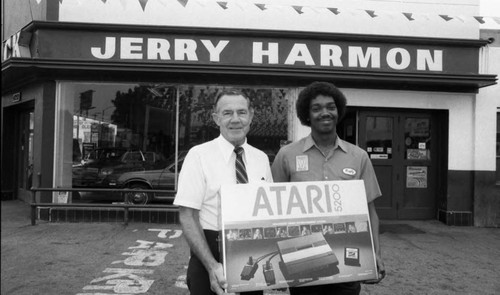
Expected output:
(269, 125)
(127, 135)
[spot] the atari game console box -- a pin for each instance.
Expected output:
(279, 235)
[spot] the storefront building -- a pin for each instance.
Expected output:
(90, 100)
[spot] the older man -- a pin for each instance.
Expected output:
(227, 159)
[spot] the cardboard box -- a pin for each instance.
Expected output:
(279, 235)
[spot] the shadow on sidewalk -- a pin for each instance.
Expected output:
(15, 211)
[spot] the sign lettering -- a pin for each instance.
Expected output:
(268, 53)
(271, 201)
(328, 53)
(156, 49)
(17, 45)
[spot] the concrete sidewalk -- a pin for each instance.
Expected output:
(421, 257)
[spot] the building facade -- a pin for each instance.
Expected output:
(113, 93)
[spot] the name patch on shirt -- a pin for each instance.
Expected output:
(349, 171)
(302, 163)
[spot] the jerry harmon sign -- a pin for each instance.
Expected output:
(323, 53)
(280, 235)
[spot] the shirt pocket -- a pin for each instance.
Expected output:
(305, 176)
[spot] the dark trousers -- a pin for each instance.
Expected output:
(351, 288)
(197, 278)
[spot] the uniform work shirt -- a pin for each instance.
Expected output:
(304, 161)
(210, 165)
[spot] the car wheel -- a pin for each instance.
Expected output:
(138, 198)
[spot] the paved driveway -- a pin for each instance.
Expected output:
(422, 257)
(89, 258)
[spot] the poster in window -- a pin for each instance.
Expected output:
(417, 154)
(419, 127)
(416, 177)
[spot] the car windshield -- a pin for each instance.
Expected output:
(171, 161)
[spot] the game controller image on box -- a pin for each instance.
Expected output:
(300, 257)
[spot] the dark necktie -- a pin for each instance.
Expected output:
(241, 171)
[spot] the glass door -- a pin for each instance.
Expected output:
(402, 147)
(377, 138)
(419, 167)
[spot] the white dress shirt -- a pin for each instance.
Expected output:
(208, 166)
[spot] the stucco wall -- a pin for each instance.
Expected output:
(487, 105)
(350, 15)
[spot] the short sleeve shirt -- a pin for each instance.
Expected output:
(210, 165)
(303, 161)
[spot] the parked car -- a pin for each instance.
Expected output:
(101, 162)
(149, 178)
(157, 179)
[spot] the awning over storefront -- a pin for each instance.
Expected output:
(60, 51)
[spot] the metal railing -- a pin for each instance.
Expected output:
(126, 206)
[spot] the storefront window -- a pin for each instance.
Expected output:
(417, 139)
(137, 135)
